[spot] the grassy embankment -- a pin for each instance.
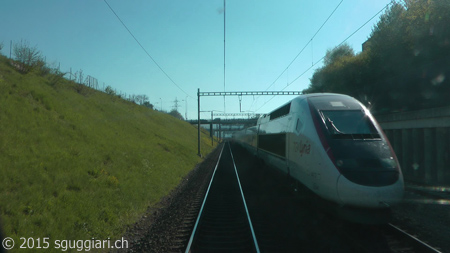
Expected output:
(77, 166)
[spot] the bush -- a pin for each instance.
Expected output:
(110, 91)
(42, 67)
(56, 77)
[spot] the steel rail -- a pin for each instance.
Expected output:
(245, 204)
(188, 248)
(415, 239)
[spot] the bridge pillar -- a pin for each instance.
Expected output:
(211, 133)
(397, 144)
(407, 152)
(220, 131)
(429, 166)
(417, 137)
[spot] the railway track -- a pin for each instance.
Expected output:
(401, 241)
(381, 238)
(280, 221)
(223, 223)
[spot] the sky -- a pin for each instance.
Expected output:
(185, 45)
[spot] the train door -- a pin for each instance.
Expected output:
(289, 132)
(257, 139)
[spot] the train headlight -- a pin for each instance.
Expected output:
(388, 163)
(339, 163)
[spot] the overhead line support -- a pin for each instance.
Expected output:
(235, 93)
(198, 124)
(248, 93)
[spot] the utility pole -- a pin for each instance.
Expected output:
(240, 100)
(211, 130)
(220, 131)
(176, 104)
(185, 114)
(198, 122)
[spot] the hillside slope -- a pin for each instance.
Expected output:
(78, 164)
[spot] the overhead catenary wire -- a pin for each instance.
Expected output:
(224, 37)
(146, 52)
(318, 30)
(359, 28)
(304, 72)
(301, 51)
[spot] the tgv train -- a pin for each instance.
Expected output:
(331, 144)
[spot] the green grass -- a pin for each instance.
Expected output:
(77, 166)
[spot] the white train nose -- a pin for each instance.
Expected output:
(369, 196)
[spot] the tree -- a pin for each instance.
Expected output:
(405, 64)
(148, 105)
(144, 99)
(132, 98)
(27, 57)
(79, 75)
(339, 65)
(337, 53)
(138, 99)
(176, 114)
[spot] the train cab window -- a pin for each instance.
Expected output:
(348, 122)
(282, 111)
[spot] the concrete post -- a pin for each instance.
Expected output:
(417, 165)
(447, 157)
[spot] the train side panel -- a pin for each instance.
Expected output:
(308, 162)
(273, 138)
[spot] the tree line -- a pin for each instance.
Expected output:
(404, 65)
(28, 59)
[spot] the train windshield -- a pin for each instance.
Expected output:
(348, 122)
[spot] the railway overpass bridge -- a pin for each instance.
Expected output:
(223, 128)
(421, 141)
